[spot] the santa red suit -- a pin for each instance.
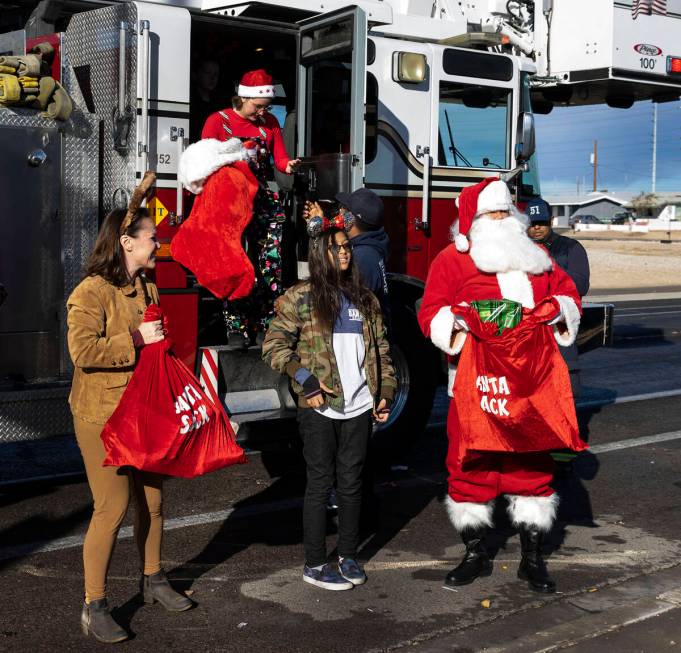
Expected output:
(493, 259)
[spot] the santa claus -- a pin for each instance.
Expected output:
(512, 401)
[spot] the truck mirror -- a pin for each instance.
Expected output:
(524, 142)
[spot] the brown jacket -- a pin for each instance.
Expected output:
(101, 318)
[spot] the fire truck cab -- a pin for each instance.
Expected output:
(412, 103)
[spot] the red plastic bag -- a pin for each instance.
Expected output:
(512, 391)
(165, 422)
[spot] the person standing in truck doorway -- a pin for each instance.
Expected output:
(571, 256)
(249, 120)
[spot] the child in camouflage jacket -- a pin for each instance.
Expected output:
(328, 337)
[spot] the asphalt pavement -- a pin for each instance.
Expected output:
(233, 541)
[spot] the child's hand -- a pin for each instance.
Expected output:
(317, 400)
(382, 412)
(312, 210)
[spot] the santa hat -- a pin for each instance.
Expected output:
(490, 194)
(256, 83)
(203, 158)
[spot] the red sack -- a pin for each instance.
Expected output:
(209, 242)
(512, 391)
(165, 422)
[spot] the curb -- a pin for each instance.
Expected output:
(633, 297)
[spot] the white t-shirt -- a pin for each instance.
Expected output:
(349, 350)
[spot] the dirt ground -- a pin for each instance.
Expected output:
(633, 264)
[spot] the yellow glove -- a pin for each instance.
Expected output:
(10, 89)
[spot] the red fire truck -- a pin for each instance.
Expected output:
(414, 100)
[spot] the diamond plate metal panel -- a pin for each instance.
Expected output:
(92, 45)
(91, 165)
(34, 414)
(92, 171)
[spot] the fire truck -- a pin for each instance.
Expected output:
(414, 99)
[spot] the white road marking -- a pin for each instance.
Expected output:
(627, 399)
(60, 544)
(635, 442)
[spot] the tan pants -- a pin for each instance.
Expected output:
(110, 487)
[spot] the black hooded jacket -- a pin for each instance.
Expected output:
(370, 251)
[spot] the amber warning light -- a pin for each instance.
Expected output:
(674, 65)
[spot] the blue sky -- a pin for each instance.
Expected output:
(565, 141)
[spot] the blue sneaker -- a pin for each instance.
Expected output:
(351, 570)
(327, 577)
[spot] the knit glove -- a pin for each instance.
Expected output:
(309, 381)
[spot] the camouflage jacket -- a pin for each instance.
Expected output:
(296, 339)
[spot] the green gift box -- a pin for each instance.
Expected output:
(505, 313)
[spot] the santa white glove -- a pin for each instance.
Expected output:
(460, 324)
(559, 318)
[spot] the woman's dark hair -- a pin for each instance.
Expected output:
(327, 279)
(237, 102)
(106, 259)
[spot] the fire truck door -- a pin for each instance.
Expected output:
(331, 95)
(163, 64)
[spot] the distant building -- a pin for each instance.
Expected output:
(658, 206)
(602, 205)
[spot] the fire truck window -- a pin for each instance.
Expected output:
(371, 118)
(474, 126)
(328, 106)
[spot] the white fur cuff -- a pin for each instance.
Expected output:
(571, 320)
(466, 514)
(442, 328)
(203, 158)
(537, 512)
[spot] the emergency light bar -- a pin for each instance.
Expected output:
(674, 65)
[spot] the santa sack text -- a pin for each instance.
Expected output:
(165, 422)
(512, 391)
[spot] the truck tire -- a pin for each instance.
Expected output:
(418, 370)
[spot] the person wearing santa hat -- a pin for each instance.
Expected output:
(493, 258)
(250, 121)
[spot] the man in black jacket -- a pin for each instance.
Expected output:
(370, 242)
(571, 256)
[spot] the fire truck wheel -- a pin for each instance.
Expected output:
(417, 367)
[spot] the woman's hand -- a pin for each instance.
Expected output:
(291, 166)
(151, 332)
(382, 412)
(312, 210)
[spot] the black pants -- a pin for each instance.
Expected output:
(334, 449)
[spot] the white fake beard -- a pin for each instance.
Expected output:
(504, 246)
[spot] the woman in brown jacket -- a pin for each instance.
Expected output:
(105, 334)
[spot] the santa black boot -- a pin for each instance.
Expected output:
(534, 517)
(475, 563)
(472, 521)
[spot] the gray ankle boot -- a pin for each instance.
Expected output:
(96, 620)
(157, 588)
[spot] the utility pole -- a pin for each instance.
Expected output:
(654, 184)
(594, 161)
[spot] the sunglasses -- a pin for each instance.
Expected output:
(346, 247)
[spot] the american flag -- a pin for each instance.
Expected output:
(648, 7)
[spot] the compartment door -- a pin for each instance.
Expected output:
(331, 89)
